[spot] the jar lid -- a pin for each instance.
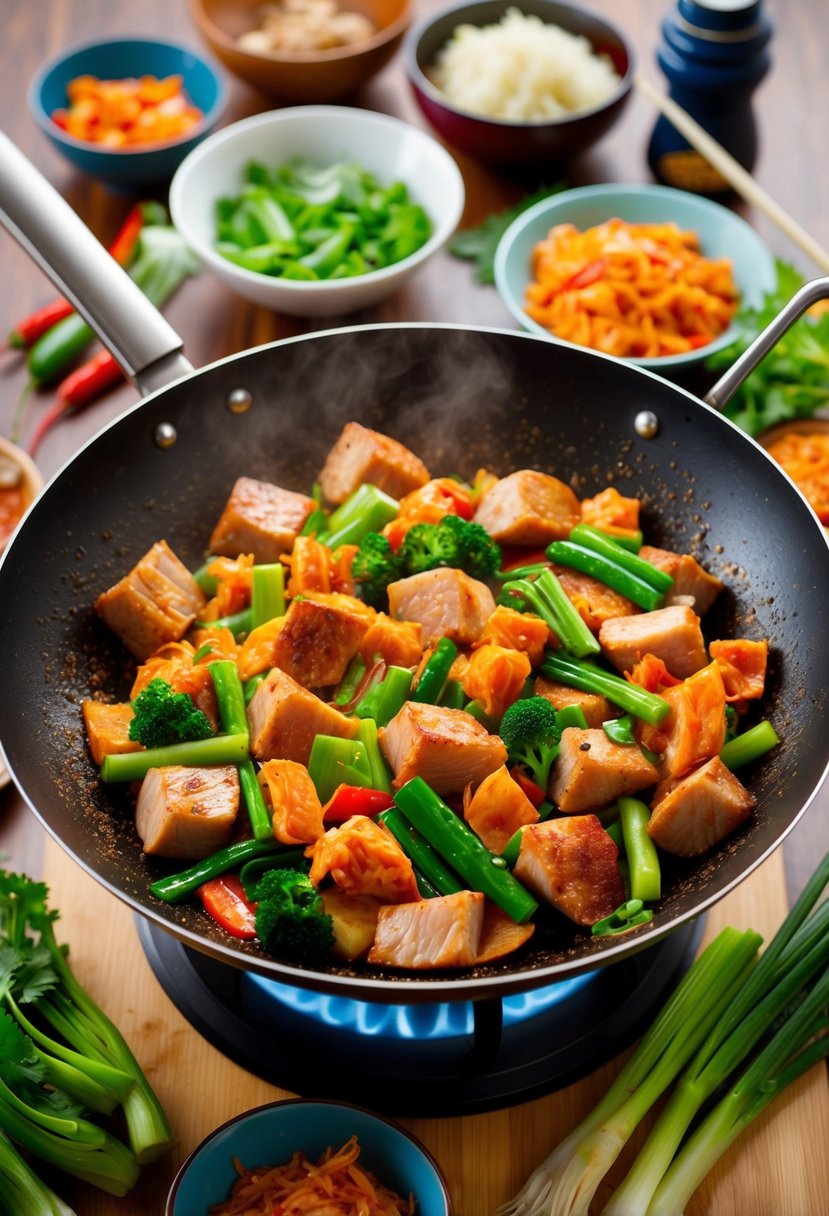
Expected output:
(715, 18)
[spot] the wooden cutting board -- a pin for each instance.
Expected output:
(779, 1167)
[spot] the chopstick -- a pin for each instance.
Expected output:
(736, 176)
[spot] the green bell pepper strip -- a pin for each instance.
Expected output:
(640, 851)
(134, 766)
(588, 561)
(462, 849)
(384, 700)
(594, 538)
(334, 762)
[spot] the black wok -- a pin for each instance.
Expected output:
(461, 398)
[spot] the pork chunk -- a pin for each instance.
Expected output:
(672, 634)
(497, 809)
(445, 602)
(594, 706)
(571, 863)
(155, 603)
(187, 812)
(260, 518)
(592, 771)
(448, 748)
(528, 508)
(320, 636)
(692, 815)
(690, 579)
(362, 455)
(285, 718)
(432, 933)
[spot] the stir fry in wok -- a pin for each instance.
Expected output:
(407, 719)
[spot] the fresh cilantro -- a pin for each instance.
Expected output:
(478, 245)
(793, 379)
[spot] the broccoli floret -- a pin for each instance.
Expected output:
(530, 732)
(374, 566)
(162, 717)
(453, 542)
(291, 921)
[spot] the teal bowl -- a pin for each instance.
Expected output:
(268, 1135)
(722, 233)
(118, 59)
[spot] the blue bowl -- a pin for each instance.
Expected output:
(268, 1135)
(722, 233)
(116, 59)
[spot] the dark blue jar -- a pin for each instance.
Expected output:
(714, 54)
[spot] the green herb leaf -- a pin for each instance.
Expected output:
(478, 245)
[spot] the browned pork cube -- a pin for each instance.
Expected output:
(594, 706)
(285, 718)
(187, 812)
(688, 575)
(672, 634)
(321, 635)
(447, 603)
(448, 748)
(260, 518)
(592, 771)
(155, 603)
(572, 864)
(692, 815)
(432, 933)
(363, 456)
(528, 508)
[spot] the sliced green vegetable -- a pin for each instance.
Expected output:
(577, 673)
(643, 860)
(384, 700)
(607, 571)
(267, 593)
(423, 857)
(134, 766)
(435, 672)
(750, 745)
(546, 597)
(336, 762)
(594, 538)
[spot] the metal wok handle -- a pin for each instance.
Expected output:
(727, 385)
(148, 349)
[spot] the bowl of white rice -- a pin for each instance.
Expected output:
(519, 82)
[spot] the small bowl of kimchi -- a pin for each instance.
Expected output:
(20, 484)
(647, 274)
(364, 1161)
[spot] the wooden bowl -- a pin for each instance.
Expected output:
(30, 479)
(303, 77)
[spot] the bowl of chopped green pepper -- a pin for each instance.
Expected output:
(317, 210)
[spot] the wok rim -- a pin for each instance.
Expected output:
(401, 989)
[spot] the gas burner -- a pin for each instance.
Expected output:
(455, 1058)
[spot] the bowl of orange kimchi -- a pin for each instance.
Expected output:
(309, 1156)
(644, 273)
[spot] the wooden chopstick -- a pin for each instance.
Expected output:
(736, 176)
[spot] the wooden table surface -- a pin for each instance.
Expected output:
(790, 106)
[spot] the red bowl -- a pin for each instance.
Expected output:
(516, 143)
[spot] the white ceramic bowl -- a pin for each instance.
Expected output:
(390, 149)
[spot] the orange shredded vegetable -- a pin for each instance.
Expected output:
(335, 1186)
(805, 457)
(127, 113)
(633, 290)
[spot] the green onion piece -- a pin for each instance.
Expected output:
(208, 582)
(259, 815)
(750, 745)
(239, 623)
(546, 597)
(175, 888)
(367, 510)
(267, 593)
(350, 682)
(453, 696)
(384, 701)
(506, 576)
(230, 696)
(628, 915)
(588, 561)
(576, 673)
(477, 711)
(380, 771)
(462, 849)
(134, 766)
(334, 762)
(512, 848)
(632, 543)
(614, 831)
(435, 672)
(645, 876)
(594, 538)
(315, 523)
(250, 686)
(421, 854)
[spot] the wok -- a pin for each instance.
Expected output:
(461, 398)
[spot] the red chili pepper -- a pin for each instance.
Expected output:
(587, 275)
(534, 792)
(225, 900)
(27, 331)
(80, 388)
(348, 800)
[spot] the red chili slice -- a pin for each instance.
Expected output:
(225, 900)
(348, 800)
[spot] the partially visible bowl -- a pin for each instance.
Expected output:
(302, 77)
(118, 59)
(20, 474)
(722, 233)
(268, 1135)
(390, 149)
(532, 142)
